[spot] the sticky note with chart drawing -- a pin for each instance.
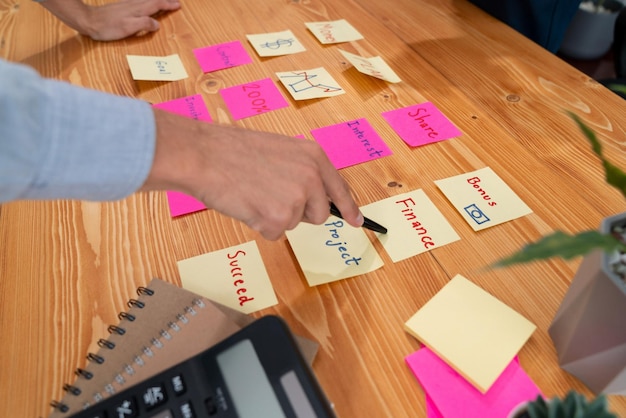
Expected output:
(150, 68)
(351, 143)
(332, 32)
(414, 224)
(471, 330)
(332, 251)
(483, 198)
(234, 276)
(275, 44)
(310, 84)
(374, 66)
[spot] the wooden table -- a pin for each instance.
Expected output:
(67, 268)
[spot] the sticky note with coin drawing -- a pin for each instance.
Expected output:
(275, 44)
(483, 198)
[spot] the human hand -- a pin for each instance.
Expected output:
(270, 182)
(111, 21)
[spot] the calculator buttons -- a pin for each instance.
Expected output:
(154, 396)
(164, 414)
(211, 406)
(186, 411)
(127, 408)
(178, 384)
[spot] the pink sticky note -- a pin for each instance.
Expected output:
(218, 57)
(253, 98)
(431, 409)
(182, 204)
(191, 106)
(351, 143)
(453, 396)
(421, 124)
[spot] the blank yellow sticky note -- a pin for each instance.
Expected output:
(332, 251)
(475, 333)
(149, 68)
(235, 277)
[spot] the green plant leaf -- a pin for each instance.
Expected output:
(560, 244)
(614, 176)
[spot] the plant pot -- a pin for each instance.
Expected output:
(590, 34)
(588, 329)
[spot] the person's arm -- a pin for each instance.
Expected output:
(59, 141)
(270, 182)
(111, 21)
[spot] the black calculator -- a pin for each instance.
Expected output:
(257, 372)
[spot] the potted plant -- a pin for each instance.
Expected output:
(590, 33)
(574, 405)
(588, 329)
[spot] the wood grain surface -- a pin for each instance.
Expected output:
(67, 267)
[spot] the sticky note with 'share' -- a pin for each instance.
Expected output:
(472, 331)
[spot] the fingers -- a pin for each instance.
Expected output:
(338, 192)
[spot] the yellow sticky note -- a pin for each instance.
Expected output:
(310, 84)
(332, 251)
(333, 32)
(374, 66)
(414, 224)
(475, 333)
(235, 277)
(148, 68)
(275, 43)
(483, 198)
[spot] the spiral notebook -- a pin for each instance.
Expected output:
(163, 326)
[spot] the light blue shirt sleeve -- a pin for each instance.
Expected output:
(59, 141)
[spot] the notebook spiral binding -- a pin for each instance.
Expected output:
(139, 360)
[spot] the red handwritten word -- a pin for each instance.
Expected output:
(474, 182)
(256, 101)
(364, 141)
(327, 32)
(410, 216)
(421, 121)
(237, 273)
(370, 68)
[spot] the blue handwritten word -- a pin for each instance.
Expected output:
(191, 106)
(340, 246)
(224, 56)
(476, 214)
(162, 67)
(364, 141)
